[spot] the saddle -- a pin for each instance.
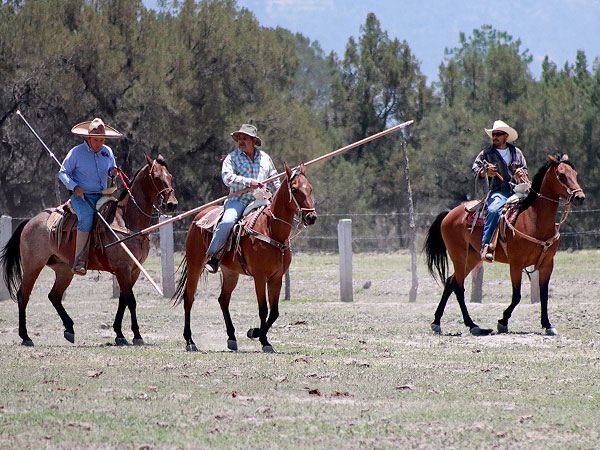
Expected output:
(63, 220)
(243, 227)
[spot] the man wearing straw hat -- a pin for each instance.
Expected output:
(245, 167)
(504, 165)
(85, 172)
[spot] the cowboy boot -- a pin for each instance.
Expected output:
(81, 252)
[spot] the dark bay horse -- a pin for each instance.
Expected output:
(266, 254)
(30, 249)
(533, 242)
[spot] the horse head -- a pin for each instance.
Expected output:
(566, 184)
(160, 178)
(300, 192)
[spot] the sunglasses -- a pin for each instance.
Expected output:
(498, 133)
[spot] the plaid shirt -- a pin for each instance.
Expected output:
(239, 170)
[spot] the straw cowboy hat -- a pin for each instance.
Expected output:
(95, 128)
(501, 126)
(249, 130)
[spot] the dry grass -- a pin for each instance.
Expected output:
(368, 374)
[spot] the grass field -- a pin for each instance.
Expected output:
(367, 374)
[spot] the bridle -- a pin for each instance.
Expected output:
(570, 192)
(299, 211)
(160, 194)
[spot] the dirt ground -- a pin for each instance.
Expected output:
(366, 374)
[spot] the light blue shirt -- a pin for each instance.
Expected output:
(83, 167)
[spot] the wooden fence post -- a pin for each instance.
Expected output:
(287, 295)
(477, 284)
(345, 248)
(535, 286)
(167, 258)
(412, 296)
(5, 234)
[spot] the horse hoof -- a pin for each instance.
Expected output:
(232, 344)
(437, 329)
(253, 333)
(138, 341)
(268, 349)
(476, 331)
(502, 328)
(69, 336)
(121, 342)
(551, 331)
(27, 343)
(191, 348)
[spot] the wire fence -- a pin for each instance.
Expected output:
(388, 232)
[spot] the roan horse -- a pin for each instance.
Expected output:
(30, 249)
(265, 253)
(532, 241)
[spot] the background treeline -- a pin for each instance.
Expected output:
(177, 82)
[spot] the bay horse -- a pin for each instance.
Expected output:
(30, 248)
(265, 253)
(532, 241)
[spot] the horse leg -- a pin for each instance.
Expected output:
(30, 274)
(230, 280)
(439, 312)
(263, 310)
(193, 271)
(274, 289)
(515, 277)
(545, 273)
(64, 275)
(125, 299)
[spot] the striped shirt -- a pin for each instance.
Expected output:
(239, 170)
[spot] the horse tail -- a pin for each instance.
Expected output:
(10, 258)
(435, 249)
(180, 289)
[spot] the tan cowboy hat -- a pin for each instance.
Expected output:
(501, 126)
(249, 130)
(95, 128)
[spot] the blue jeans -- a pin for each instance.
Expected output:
(496, 201)
(233, 212)
(85, 213)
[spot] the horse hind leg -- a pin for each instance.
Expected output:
(230, 280)
(30, 275)
(64, 275)
(439, 312)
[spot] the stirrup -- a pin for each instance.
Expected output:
(212, 265)
(487, 255)
(80, 268)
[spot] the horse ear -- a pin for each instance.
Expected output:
(288, 171)
(302, 168)
(148, 160)
(552, 158)
(564, 157)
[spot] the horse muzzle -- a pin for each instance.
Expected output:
(578, 198)
(309, 217)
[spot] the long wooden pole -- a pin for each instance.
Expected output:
(268, 180)
(120, 242)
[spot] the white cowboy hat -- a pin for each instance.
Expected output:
(95, 128)
(249, 130)
(501, 126)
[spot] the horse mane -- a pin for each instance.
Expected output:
(536, 184)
